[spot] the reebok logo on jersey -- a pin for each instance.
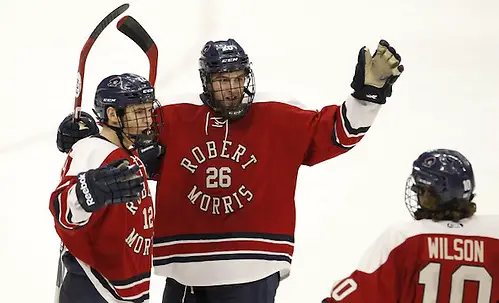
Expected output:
(84, 189)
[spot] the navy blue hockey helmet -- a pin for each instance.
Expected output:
(118, 91)
(445, 173)
(226, 56)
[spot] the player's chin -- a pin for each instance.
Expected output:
(138, 131)
(228, 104)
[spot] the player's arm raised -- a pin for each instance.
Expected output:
(337, 129)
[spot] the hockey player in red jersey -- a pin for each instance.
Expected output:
(235, 168)
(102, 207)
(226, 184)
(448, 255)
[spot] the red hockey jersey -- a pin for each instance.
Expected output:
(225, 192)
(112, 245)
(426, 261)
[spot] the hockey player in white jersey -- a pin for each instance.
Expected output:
(448, 255)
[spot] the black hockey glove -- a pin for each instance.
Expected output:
(70, 132)
(110, 184)
(375, 74)
(151, 157)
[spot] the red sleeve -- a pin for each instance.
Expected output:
(323, 144)
(64, 219)
(381, 275)
(334, 129)
(59, 206)
(379, 286)
(382, 285)
(69, 217)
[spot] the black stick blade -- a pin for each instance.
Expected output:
(108, 19)
(133, 30)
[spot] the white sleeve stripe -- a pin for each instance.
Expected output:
(357, 116)
(78, 214)
(347, 128)
(63, 216)
(67, 218)
(337, 142)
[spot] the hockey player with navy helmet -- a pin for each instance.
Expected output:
(441, 186)
(448, 254)
(102, 207)
(227, 79)
(224, 230)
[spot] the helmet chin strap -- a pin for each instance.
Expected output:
(117, 130)
(139, 140)
(208, 99)
(121, 136)
(120, 133)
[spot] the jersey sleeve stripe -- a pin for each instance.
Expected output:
(354, 120)
(63, 212)
(339, 137)
(350, 131)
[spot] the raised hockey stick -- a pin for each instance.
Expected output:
(86, 49)
(61, 271)
(133, 30)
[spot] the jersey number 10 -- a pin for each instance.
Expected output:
(429, 276)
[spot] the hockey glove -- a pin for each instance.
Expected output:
(70, 132)
(375, 74)
(110, 184)
(151, 157)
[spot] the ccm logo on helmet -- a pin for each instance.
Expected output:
(229, 60)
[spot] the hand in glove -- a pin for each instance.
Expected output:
(70, 132)
(110, 184)
(151, 155)
(375, 74)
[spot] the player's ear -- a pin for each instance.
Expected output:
(112, 116)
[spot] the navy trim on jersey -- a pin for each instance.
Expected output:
(235, 256)
(221, 236)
